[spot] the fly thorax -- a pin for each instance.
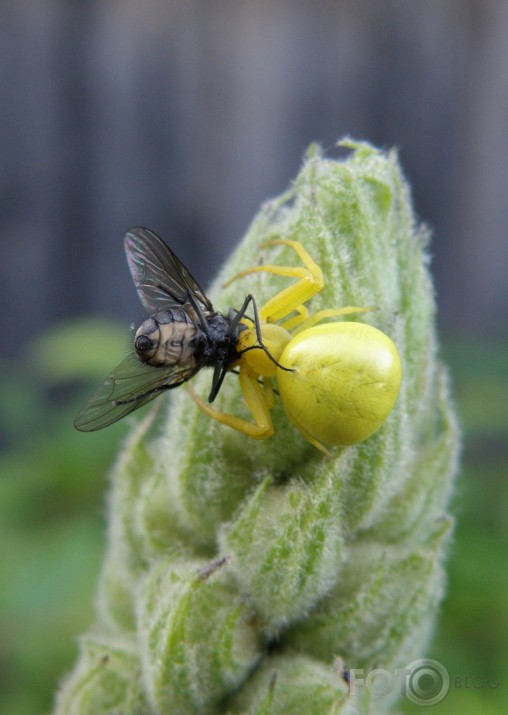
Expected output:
(164, 343)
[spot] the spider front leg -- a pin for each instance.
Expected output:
(310, 281)
(259, 399)
(309, 322)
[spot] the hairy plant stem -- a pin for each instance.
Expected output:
(238, 573)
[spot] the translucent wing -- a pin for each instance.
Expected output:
(162, 281)
(130, 385)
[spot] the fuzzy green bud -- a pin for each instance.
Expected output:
(239, 572)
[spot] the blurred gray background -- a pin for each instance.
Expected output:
(185, 116)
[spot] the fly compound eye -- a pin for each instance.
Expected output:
(142, 344)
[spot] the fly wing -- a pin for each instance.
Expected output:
(130, 385)
(161, 280)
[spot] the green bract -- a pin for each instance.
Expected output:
(238, 573)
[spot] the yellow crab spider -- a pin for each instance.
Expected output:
(337, 382)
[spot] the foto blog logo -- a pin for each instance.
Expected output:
(425, 682)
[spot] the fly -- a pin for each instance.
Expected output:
(182, 334)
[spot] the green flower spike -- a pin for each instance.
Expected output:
(240, 573)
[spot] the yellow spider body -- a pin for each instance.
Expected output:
(337, 382)
(345, 382)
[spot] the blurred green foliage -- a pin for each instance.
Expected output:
(52, 492)
(472, 637)
(52, 485)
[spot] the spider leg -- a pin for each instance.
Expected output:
(257, 401)
(330, 313)
(310, 281)
(302, 315)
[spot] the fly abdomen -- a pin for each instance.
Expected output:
(169, 338)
